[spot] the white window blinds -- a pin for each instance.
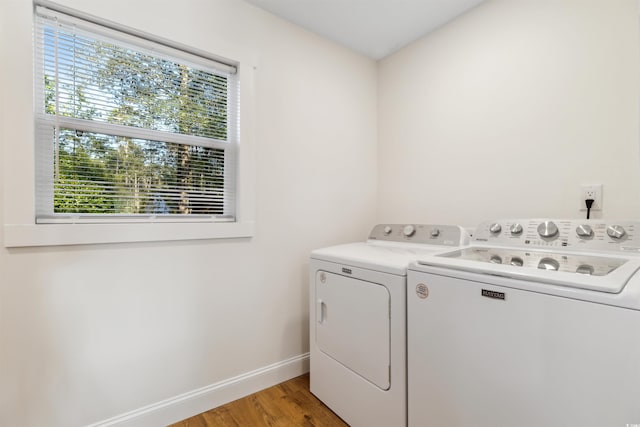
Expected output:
(129, 129)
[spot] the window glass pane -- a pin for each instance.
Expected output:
(101, 81)
(105, 174)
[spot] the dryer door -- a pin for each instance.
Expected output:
(353, 325)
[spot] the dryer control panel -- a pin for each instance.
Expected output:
(429, 234)
(573, 234)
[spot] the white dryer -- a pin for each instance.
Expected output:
(536, 324)
(358, 320)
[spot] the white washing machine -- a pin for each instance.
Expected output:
(358, 320)
(536, 324)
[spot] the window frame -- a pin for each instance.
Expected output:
(48, 124)
(20, 227)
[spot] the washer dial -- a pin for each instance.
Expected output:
(495, 259)
(616, 231)
(549, 264)
(584, 269)
(584, 231)
(547, 229)
(517, 261)
(516, 229)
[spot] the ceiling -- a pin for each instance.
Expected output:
(375, 28)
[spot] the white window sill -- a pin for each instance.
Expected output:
(25, 235)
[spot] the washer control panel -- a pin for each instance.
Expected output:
(430, 234)
(595, 235)
(588, 265)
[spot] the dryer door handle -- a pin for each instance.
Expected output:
(321, 309)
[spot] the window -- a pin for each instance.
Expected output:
(130, 129)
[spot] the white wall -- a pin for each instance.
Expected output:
(506, 111)
(91, 332)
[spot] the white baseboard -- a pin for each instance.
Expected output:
(197, 401)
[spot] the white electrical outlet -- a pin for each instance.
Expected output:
(591, 192)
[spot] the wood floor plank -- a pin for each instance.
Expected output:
(289, 404)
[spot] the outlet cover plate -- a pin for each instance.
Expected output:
(593, 191)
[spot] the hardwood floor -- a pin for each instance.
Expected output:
(285, 405)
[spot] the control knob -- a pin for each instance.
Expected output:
(547, 229)
(516, 229)
(584, 231)
(584, 269)
(495, 259)
(387, 230)
(409, 230)
(616, 231)
(495, 228)
(517, 261)
(549, 264)
(435, 232)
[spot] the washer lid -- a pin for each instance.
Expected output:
(584, 271)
